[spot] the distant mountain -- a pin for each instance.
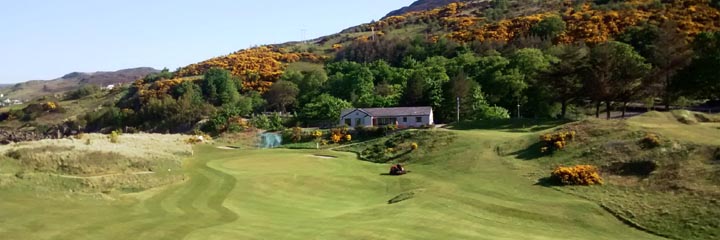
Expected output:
(423, 5)
(36, 88)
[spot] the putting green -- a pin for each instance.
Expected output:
(464, 192)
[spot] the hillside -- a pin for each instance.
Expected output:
(422, 5)
(32, 89)
(494, 54)
(473, 23)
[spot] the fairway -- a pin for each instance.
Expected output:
(463, 192)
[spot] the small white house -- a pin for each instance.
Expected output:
(109, 87)
(400, 116)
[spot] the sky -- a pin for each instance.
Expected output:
(47, 39)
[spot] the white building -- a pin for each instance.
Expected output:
(401, 116)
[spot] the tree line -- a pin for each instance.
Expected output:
(544, 80)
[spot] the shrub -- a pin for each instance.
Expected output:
(556, 141)
(317, 134)
(50, 106)
(584, 175)
(297, 134)
(348, 138)
(199, 138)
(115, 136)
(339, 134)
(650, 141)
(14, 154)
(336, 138)
(368, 132)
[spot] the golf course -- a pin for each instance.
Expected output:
(465, 191)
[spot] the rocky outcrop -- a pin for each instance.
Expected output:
(8, 136)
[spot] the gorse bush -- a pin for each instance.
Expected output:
(584, 175)
(650, 141)
(556, 141)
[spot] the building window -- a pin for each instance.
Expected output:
(404, 119)
(358, 122)
(418, 119)
(386, 121)
(348, 122)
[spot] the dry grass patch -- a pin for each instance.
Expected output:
(92, 163)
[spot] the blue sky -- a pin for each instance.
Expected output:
(47, 39)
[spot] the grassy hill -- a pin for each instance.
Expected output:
(669, 187)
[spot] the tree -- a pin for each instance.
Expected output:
(282, 94)
(616, 74)
(425, 86)
(642, 37)
(461, 87)
(700, 79)
(481, 110)
(323, 108)
(549, 27)
(351, 81)
(565, 78)
(670, 54)
(504, 84)
(219, 87)
(309, 83)
(188, 87)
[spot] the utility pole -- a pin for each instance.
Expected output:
(373, 32)
(457, 109)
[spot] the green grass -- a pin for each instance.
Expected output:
(464, 191)
(678, 198)
(305, 67)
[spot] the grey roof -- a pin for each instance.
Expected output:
(392, 112)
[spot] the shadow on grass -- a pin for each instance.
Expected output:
(530, 153)
(547, 182)
(510, 125)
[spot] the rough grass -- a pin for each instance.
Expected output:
(398, 146)
(462, 191)
(136, 163)
(671, 189)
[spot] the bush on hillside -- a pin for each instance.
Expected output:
(650, 141)
(556, 141)
(584, 175)
(83, 91)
